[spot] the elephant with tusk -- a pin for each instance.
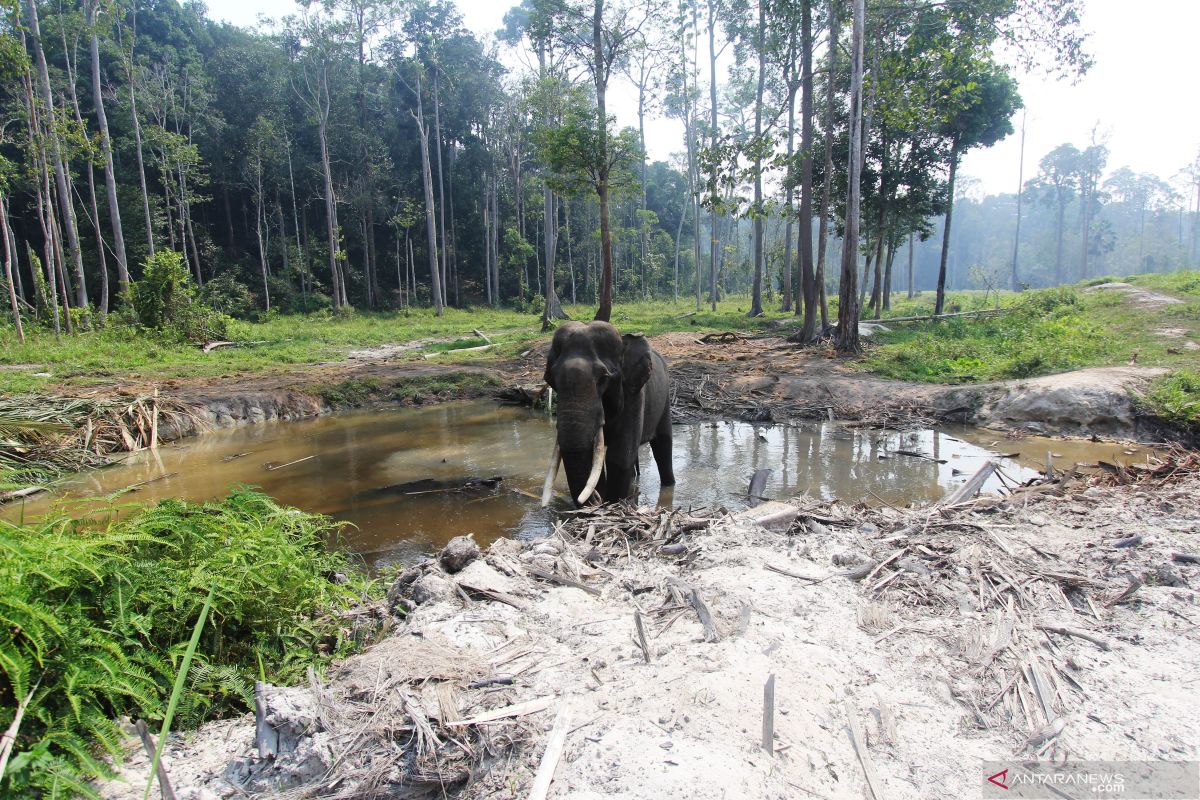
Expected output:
(613, 397)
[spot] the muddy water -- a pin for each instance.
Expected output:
(388, 472)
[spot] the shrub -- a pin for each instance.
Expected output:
(165, 301)
(227, 295)
(1176, 397)
(95, 616)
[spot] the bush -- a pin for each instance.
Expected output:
(227, 295)
(1176, 397)
(94, 619)
(165, 301)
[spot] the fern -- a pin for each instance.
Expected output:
(100, 610)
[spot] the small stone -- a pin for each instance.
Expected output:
(400, 588)
(1169, 575)
(460, 551)
(431, 588)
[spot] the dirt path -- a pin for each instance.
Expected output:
(1147, 299)
(912, 644)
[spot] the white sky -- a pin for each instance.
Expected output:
(1140, 93)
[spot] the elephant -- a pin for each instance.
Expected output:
(613, 395)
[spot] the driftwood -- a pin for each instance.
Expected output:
(515, 710)
(640, 627)
(266, 738)
(758, 485)
(986, 312)
(971, 487)
(149, 745)
(768, 725)
(17, 494)
(860, 749)
(1099, 641)
(270, 467)
(556, 578)
(550, 758)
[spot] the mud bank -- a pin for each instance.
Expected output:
(288, 396)
(634, 647)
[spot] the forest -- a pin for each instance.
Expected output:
(375, 155)
(368, 205)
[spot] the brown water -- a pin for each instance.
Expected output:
(364, 467)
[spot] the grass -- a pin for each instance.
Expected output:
(1176, 398)
(417, 389)
(96, 616)
(115, 354)
(1045, 331)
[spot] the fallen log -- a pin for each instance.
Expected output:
(971, 487)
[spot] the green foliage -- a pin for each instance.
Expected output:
(350, 392)
(95, 616)
(225, 294)
(1045, 332)
(1176, 397)
(164, 301)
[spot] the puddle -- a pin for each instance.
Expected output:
(387, 471)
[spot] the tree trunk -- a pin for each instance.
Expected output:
(940, 304)
(330, 207)
(6, 243)
(756, 288)
(786, 301)
(141, 162)
(827, 183)
(1016, 281)
(604, 311)
(848, 311)
(430, 210)
(808, 275)
(110, 180)
(714, 238)
(441, 201)
(1058, 242)
(66, 208)
(552, 308)
(911, 285)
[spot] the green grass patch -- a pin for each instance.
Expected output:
(116, 352)
(350, 392)
(1176, 397)
(426, 388)
(1043, 332)
(96, 614)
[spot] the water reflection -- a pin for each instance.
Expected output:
(337, 465)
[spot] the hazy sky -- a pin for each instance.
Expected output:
(1139, 96)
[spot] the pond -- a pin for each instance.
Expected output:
(396, 474)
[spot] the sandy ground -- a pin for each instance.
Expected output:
(930, 638)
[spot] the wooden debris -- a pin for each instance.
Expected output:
(758, 484)
(514, 710)
(971, 487)
(1099, 641)
(556, 578)
(149, 745)
(1186, 558)
(768, 722)
(271, 467)
(860, 749)
(550, 758)
(266, 738)
(640, 627)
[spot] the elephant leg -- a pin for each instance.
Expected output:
(660, 445)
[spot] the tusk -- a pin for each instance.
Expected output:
(597, 466)
(551, 474)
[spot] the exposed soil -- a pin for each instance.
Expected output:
(1142, 298)
(759, 379)
(913, 644)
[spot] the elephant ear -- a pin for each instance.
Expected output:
(635, 363)
(551, 357)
